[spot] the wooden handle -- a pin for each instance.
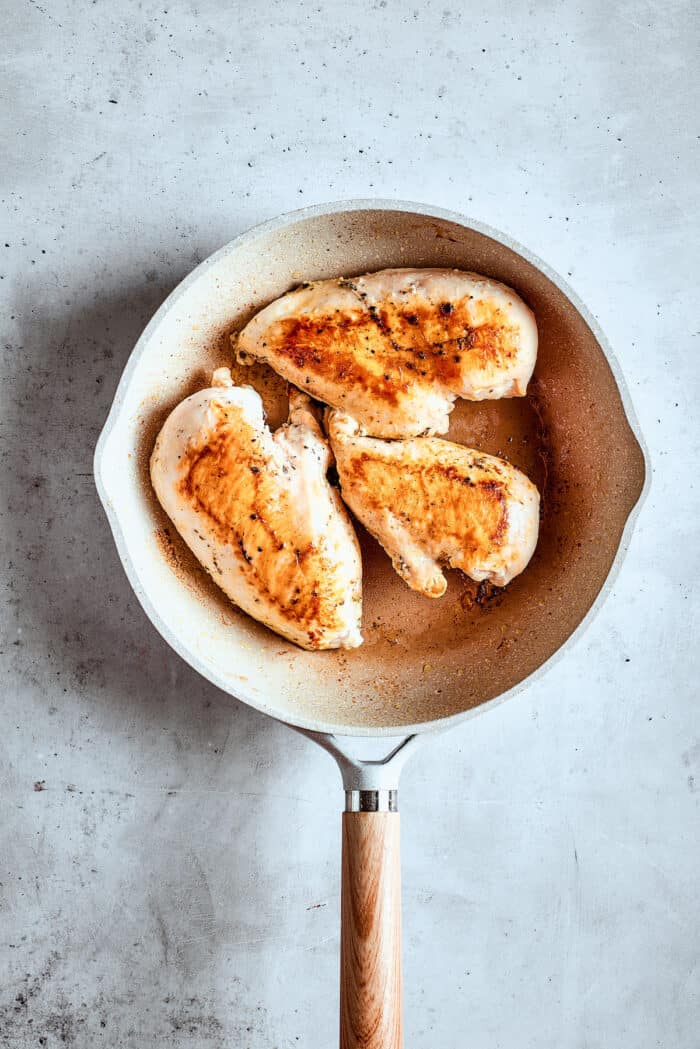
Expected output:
(370, 936)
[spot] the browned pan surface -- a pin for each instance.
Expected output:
(422, 658)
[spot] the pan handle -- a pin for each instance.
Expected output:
(370, 907)
(370, 935)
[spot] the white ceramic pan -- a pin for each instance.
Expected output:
(425, 665)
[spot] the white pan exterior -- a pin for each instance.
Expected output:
(233, 652)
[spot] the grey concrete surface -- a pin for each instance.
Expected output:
(169, 858)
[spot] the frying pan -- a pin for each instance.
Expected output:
(425, 665)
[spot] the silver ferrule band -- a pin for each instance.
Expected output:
(371, 800)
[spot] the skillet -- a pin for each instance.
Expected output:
(425, 665)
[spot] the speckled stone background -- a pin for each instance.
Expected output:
(169, 858)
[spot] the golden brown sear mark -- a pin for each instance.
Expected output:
(475, 510)
(238, 499)
(384, 350)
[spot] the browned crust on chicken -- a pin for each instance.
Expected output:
(241, 498)
(434, 504)
(420, 342)
(395, 348)
(449, 498)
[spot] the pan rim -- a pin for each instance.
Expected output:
(276, 225)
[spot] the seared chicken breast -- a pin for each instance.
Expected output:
(433, 504)
(258, 512)
(394, 349)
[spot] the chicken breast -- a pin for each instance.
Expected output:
(395, 349)
(258, 512)
(431, 503)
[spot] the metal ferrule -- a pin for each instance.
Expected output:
(371, 800)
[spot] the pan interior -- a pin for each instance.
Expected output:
(422, 659)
